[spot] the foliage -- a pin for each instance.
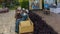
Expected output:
(15, 3)
(24, 4)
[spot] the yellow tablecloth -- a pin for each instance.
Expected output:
(26, 26)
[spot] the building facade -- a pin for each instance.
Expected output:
(41, 3)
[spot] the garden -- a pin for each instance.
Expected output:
(12, 4)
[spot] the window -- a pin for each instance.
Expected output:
(50, 1)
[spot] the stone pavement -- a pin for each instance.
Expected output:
(7, 22)
(53, 20)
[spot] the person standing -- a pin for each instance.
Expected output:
(21, 16)
(46, 7)
(24, 14)
(18, 18)
(27, 11)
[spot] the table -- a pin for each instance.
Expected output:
(55, 10)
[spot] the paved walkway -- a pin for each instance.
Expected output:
(53, 20)
(7, 23)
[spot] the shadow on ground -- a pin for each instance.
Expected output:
(40, 26)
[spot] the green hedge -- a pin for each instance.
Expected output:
(0, 6)
(24, 4)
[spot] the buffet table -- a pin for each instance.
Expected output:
(55, 10)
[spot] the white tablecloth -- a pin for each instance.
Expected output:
(55, 10)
